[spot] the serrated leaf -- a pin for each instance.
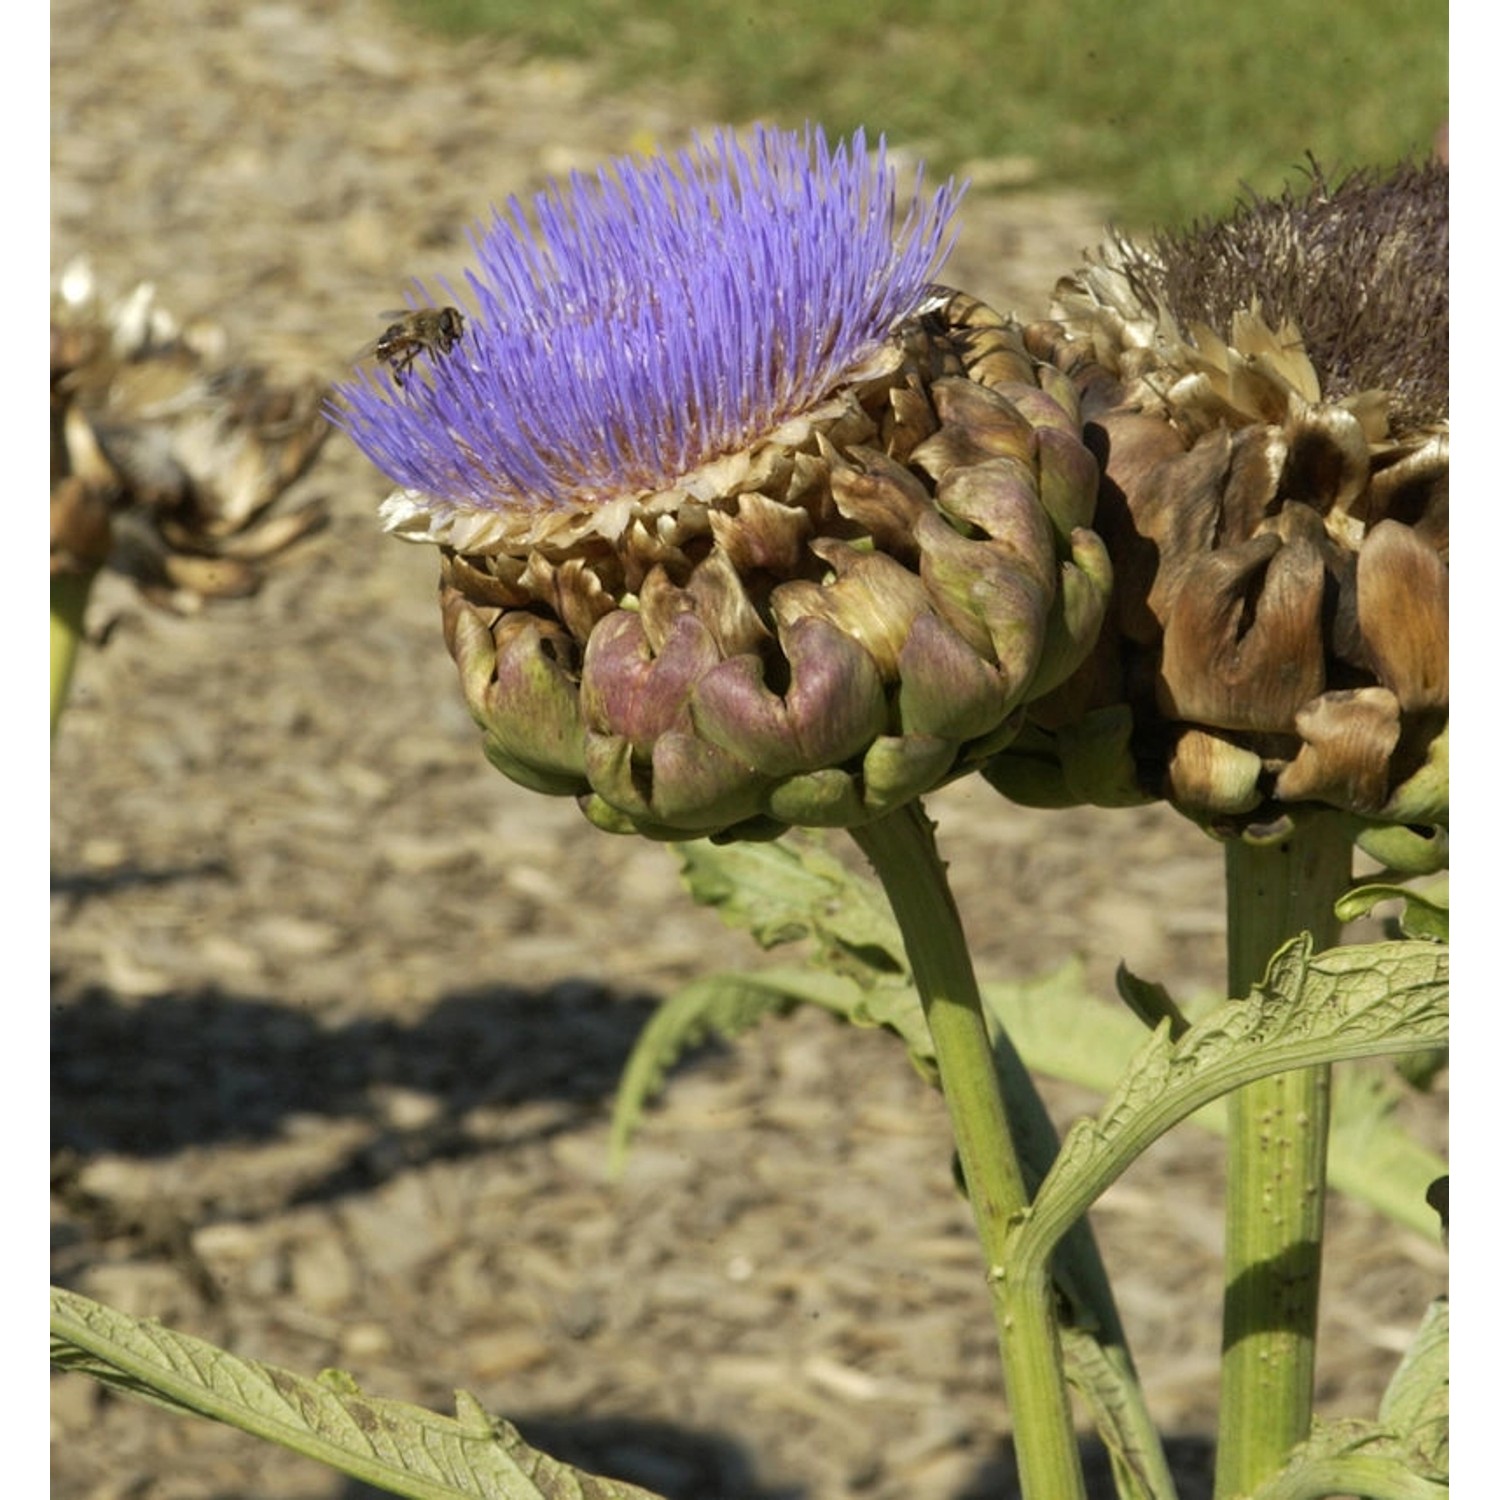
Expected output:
(1065, 1032)
(1359, 1001)
(1415, 1403)
(788, 890)
(397, 1447)
(1059, 1028)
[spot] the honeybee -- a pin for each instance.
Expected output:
(426, 330)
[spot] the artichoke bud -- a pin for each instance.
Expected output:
(747, 539)
(817, 655)
(1267, 401)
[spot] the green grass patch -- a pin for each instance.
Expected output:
(1167, 108)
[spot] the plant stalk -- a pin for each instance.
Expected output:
(1277, 1163)
(904, 854)
(70, 596)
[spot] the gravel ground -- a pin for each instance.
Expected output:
(338, 1012)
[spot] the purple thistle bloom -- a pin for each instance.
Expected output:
(660, 315)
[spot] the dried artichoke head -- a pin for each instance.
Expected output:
(1267, 399)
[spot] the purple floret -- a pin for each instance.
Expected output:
(651, 318)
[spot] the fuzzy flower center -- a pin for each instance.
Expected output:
(649, 319)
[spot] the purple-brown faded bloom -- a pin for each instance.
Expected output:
(744, 523)
(1268, 400)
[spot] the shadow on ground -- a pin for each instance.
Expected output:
(150, 1078)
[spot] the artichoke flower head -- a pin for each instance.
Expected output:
(1268, 399)
(743, 523)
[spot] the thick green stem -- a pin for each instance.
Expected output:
(70, 595)
(903, 852)
(1278, 1145)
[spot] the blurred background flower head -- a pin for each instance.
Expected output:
(169, 457)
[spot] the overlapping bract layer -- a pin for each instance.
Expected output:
(744, 523)
(858, 612)
(1279, 631)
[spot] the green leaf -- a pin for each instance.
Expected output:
(1359, 1001)
(1415, 1403)
(403, 1449)
(1149, 1002)
(1424, 913)
(1065, 1032)
(1103, 1376)
(1059, 1028)
(1355, 1458)
(721, 1005)
(1056, 1024)
(789, 890)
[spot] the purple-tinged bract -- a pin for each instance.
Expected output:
(648, 320)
